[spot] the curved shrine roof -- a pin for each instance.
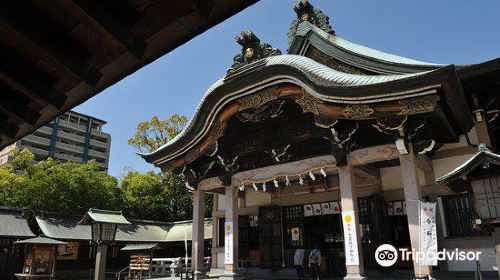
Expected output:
(384, 77)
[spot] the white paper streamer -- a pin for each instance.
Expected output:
(312, 176)
(275, 183)
(323, 172)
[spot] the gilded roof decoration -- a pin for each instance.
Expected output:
(251, 50)
(306, 12)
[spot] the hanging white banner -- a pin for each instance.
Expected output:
(350, 238)
(428, 235)
(229, 243)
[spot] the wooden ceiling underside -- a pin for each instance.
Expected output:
(56, 54)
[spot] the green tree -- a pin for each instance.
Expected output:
(7, 179)
(155, 133)
(52, 186)
(156, 196)
(176, 201)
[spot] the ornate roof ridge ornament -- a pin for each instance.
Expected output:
(251, 50)
(307, 12)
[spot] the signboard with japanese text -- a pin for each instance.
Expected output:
(350, 240)
(228, 227)
(428, 235)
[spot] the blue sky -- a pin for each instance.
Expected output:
(446, 31)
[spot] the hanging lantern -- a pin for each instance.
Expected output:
(276, 185)
(242, 187)
(323, 172)
(255, 187)
(287, 181)
(264, 188)
(312, 176)
(301, 181)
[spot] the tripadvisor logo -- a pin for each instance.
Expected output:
(386, 255)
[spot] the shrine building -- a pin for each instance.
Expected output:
(288, 141)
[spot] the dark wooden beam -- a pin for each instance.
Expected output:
(7, 129)
(114, 33)
(16, 109)
(56, 52)
(44, 95)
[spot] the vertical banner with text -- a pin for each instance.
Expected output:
(350, 237)
(428, 235)
(229, 243)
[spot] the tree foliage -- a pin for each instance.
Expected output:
(52, 186)
(156, 196)
(73, 188)
(151, 135)
(166, 191)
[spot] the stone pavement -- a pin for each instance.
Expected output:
(394, 275)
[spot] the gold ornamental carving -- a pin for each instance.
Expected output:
(357, 111)
(257, 99)
(419, 105)
(218, 130)
(309, 103)
(319, 56)
(350, 70)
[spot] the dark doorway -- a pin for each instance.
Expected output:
(325, 232)
(270, 237)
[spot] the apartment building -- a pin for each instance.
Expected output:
(70, 137)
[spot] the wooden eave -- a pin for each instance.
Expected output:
(443, 79)
(319, 45)
(312, 36)
(57, 54)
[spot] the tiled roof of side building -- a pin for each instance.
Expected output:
(66, 227)
(14, 224)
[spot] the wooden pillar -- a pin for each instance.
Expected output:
(412, 191)
(54, 256)
(349, 202)
(215, 228)
(198, 236)
(100, 262)
(231, 257)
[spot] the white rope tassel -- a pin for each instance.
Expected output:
(301, 181)
(276, 185)
(255, 187)
(264, 188)
(242, 187)
(312, 176)
(323, 172)
(287, 181)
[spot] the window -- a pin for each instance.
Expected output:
(487, 195)
(459, 216)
